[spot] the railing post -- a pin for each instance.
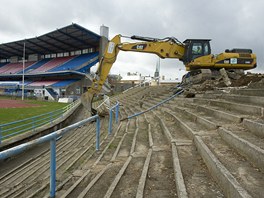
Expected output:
(61, 113)
(33, 123)
(50, 117)
(116, 113)
(52, 167)
(110, 122)
(97, 133)
(0, 135)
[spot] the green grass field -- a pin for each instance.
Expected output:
(14, 114)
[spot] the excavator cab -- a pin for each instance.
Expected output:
(195, 48)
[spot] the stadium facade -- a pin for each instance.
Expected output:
(53, 65)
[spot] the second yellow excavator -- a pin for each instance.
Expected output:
(194, 53)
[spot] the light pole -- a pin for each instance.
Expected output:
(157, 72)
(23, 73)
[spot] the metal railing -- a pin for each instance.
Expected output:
(157, 105)
(52, 138)
(30, 124)
(138, 85)
(116, 109)
(106, 102)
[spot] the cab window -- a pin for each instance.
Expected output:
(197, 48)
(206, 49)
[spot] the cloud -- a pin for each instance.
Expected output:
(230, 24)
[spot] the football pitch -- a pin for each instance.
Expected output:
(16, 109)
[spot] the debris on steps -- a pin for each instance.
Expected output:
(225, 77)
(227, 80)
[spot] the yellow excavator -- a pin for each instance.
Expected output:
(194, 53)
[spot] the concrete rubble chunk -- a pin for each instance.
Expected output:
(225, 77)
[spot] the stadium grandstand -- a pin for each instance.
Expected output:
(53, 65)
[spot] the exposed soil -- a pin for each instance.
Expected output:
(247, 80)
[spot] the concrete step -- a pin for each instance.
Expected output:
(246, 144)
(228, 183)
(95, 168)
(38, 171)
(193, 170)
(215, 150)
(214, 115)
(248, 177)
(255, 126)
(137, 142)
(245, 99)
(252, 100)
(199, 147)
(249, 92)
(200, 119)
(232, 107)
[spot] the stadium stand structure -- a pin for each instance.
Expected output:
(12, 68)
(56, 63)
(42, 83)
(64, 83)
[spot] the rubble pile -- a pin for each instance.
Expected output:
(250, 80)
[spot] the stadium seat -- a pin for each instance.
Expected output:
(52, 64)
(75, 63)
(36, 65)
(13, 68)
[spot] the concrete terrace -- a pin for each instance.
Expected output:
(208, 146)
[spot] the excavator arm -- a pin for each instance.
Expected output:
(102, 72)
(164, 48)
(169, 47)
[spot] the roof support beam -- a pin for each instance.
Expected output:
(60, 41)
(84, 30)
(75, 38)
(51, 44)
(28, 48)
(41, 47)
(7, 52)
(13, 48)
(3, 55)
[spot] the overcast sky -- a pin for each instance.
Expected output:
(230, 24)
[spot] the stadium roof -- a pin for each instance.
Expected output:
(70, 38)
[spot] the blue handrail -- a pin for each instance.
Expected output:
(22, 147)
(157, 105)
(116, 109)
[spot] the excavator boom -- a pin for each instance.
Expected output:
(102, 72)
(164, 48)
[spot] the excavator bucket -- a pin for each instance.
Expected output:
(87, 101)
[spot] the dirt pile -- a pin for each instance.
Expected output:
(248, 80)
